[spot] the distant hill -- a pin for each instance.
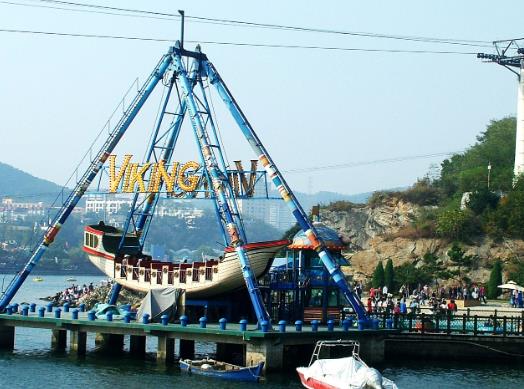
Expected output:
(323, 197)
(23, 186)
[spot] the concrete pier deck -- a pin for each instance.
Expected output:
(270, 347)
(462, 338)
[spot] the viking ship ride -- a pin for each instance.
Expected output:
(137, 271)
(186, 79)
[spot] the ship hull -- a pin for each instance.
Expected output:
(198, 279)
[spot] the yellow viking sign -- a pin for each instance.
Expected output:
(132, 177)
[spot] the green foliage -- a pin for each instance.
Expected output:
(378, 276)
(378, 198)
(468, 172)
(409, 275)
(342, 206)
(482, 200)
(421, 193)
(495, 278)
(457, 224)
(515, 270)
(434, 267)
(460, 260)
(389, 275)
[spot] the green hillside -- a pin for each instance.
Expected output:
(23, 186)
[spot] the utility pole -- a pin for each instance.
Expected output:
(510, 54)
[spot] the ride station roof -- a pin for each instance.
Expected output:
(330, 237)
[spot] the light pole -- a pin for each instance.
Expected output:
(489, 172)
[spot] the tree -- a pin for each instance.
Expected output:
(409, 275)
(434, 267)
(456, 224)
(495, 279)
(458, 258)
(481, 200)
(515, 270)
(389, 275)
(378, 276)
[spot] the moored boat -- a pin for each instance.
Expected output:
(140, 272)
(227, 371)
(38, 279)
(341, 373)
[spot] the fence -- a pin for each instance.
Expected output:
(450, 323)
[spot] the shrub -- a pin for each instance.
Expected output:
(389, 275)
(421, 193)
(456, 224)
(495, 279)
(378, 276)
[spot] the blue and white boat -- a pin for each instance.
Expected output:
(226, 371)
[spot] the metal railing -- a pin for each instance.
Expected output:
(452, 323)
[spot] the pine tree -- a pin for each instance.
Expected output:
(389, 275)
(378, 276)
(495, 279)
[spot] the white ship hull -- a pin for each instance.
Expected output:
(199, 279)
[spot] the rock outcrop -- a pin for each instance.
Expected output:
(373, 235)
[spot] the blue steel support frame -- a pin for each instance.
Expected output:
(142, 225)
(151, 199)
(284, 190)
(218, 186)
(84, 182)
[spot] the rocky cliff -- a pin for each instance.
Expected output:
(375, 234)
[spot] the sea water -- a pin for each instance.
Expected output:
(33, 365)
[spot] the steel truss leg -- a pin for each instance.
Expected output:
(89, 175)
(284, 190)
(218, 187)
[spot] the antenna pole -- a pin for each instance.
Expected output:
(182, 15)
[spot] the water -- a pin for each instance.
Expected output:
(32, 365)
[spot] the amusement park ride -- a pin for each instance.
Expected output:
(186, 75)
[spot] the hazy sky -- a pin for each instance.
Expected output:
(311, 108)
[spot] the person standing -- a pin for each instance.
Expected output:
(482, 294)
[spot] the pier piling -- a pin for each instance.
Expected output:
(187, 349)
(7, 337)
(109, 342)
(78, 342)
(58, 340)
(166, 349)
(267, 351)
(137, 345)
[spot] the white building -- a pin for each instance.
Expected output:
(271, 211)
(103, 204)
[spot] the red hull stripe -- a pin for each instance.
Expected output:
(315, 384)
(93, 231)
(250, 246)
(258, 245)
(97, 253)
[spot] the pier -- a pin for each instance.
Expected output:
(282, 347)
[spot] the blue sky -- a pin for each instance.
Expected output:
(311, 108)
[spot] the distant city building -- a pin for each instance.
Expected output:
(11, 210)
(271, 211)
(112, 205)
(104, 204)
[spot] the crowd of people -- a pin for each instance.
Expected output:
(72, 294)
(439, 300)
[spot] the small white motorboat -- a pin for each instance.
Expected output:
(341, 373)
